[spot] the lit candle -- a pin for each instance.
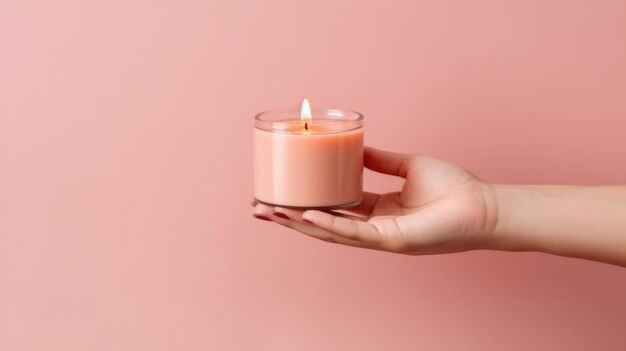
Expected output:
(314, 161)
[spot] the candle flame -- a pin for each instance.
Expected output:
(305, 111)
(305, 115)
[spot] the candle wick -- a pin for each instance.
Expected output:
(306, 125)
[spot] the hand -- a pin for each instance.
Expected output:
(442, 208)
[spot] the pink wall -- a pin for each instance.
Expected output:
(125, 160)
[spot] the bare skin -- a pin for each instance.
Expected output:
(443, 208)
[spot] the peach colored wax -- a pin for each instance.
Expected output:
(320, 167)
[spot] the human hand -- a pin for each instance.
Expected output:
(442, 208)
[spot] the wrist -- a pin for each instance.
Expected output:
(510, 206)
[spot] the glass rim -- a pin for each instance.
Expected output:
(343, 120)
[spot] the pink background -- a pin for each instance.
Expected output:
(125, 171)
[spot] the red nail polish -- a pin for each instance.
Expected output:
(261, 217)
(280, 214)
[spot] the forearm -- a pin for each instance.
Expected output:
(574, 221)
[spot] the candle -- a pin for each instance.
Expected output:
(314, 160)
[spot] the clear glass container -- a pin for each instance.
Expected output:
(308, 163)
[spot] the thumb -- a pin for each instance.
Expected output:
(387, 162)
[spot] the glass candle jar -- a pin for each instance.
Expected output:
(308, 163)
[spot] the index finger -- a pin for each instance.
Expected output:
(351, 229)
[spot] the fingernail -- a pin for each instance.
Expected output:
(306, 220)
(261, 217)
(280, 214)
